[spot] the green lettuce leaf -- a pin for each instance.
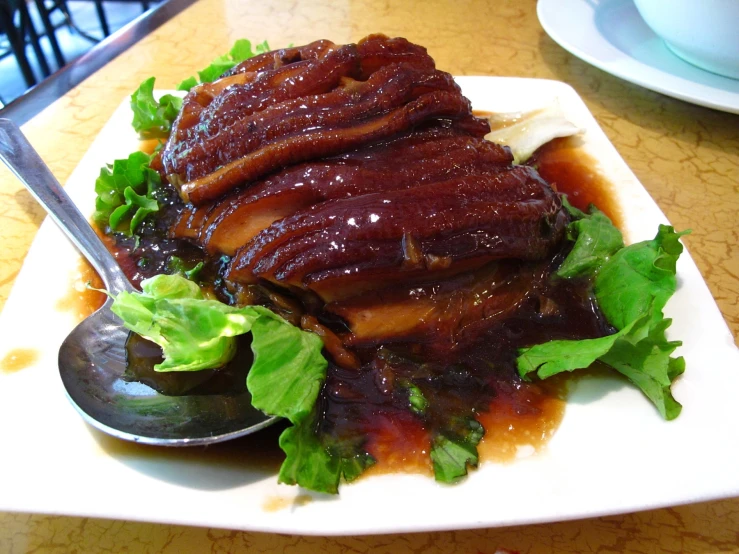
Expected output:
(278, 344)
(307, 462)
(452, 452)
(631, 287)
(196, 333)
(187, 84)
(285, 378)
(135, 209)
(125, 194)
(556, 356)
(314, 465)
(240, 51)
(596, 240)
(353, 466)
(637, 275)
(177, 266)
(153, 118)
(416, 399)
(648, 364)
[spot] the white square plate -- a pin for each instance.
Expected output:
(612, 453)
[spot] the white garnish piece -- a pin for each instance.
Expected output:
(524, 132)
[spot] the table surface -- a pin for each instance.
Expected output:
(686, 156)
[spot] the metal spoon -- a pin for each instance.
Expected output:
(92, 359)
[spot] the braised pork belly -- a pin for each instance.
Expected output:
(350, 189)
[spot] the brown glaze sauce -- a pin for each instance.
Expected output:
(372, 403)
(277, 503)
(82, 300)
(522, 422)
(399, 446)
(572, 172)
(148, 146)
(18, 359)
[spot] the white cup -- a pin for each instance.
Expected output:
(704, 33)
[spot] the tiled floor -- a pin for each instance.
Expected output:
(71, 42)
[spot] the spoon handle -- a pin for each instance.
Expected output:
(27, 165)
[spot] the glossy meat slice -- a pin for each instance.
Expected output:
(414, 159)
(298, 104)
(442, 315)
(311, 70)
(285, 56)
(285, 74)
(240, 77)
(376, 51)
(288, 82)
(210, 107)
(395, 99)
(406, 234)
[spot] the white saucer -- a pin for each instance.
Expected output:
(611, 35)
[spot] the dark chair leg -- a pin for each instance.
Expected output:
(27, 28)
(63, 6)
(101, 16)
(17, 44)
(69, 22)
(145, 5)
(50, 33)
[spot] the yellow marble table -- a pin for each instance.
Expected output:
(685, 155)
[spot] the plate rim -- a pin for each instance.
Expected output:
(284, 522)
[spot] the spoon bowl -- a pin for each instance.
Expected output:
(92, 364)
(92, 359)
